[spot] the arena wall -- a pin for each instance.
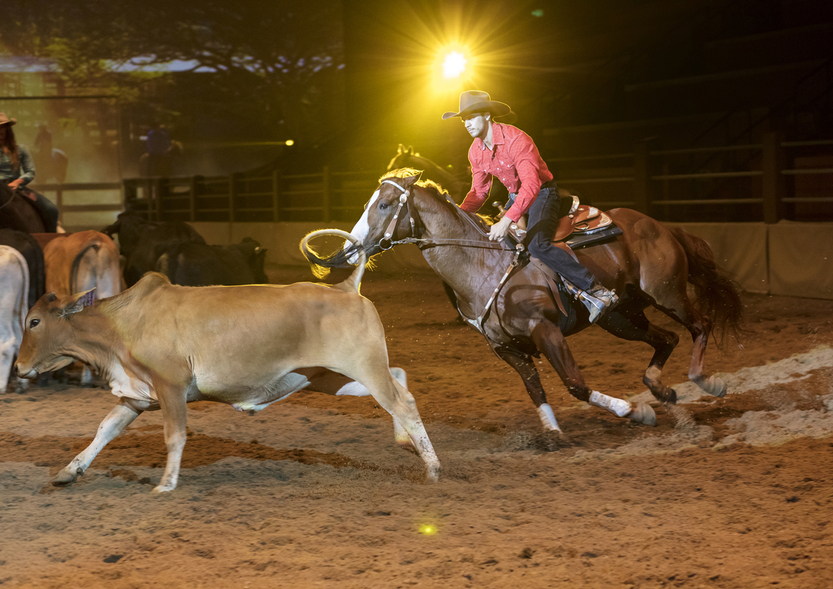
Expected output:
(787, 258)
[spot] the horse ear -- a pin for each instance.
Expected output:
(400, 150)
(411, 149)
(411, 180)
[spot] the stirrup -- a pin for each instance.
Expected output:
(598, 300)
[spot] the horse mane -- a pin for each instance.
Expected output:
(437, 192)
(408, 173)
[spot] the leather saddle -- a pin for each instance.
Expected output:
(581, 220)
(579, 226)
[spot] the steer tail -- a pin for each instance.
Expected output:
(321, 265)
(718, 295)
(76, 264)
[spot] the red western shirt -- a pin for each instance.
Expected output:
(515, 161)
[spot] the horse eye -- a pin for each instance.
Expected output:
(33, 323)
(383, 205)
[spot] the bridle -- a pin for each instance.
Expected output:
(386, 243)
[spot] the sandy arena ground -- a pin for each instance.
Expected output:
(312, 492)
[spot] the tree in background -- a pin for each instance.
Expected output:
(255, 69)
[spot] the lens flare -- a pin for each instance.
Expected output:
(427, 529)
(454, 65)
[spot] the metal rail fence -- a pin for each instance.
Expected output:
(767, 181)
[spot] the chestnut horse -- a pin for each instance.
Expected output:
(18, 214)
(514, 306)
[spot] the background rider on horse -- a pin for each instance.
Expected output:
(17, 169)
(508, 154)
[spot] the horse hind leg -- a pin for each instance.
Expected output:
(699, 326)
(630, 323)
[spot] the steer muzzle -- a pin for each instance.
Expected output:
(24, 371)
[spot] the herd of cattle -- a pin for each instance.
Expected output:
(69, 263)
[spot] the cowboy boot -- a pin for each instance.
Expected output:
(597, 298)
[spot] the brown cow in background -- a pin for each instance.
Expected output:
(80, 262)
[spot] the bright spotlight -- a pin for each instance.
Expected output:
(428, 529)
(289, 142)
(454, 65)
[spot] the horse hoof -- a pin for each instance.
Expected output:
(713, 385)
(718, 386)
(644, 414)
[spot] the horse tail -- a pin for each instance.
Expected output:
(718, 295)
(321, 265)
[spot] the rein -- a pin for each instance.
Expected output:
(387, 243)
(11, 198)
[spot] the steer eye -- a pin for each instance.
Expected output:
(33, 323)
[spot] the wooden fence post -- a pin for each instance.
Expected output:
(192, 199)
(232, 194)
(772, 186)
(156, 195)
(325, 201)
(276, 196)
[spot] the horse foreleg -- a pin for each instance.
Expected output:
(550, 341)
(524, 366)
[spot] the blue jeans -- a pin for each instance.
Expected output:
(541, 226)
(47, 209)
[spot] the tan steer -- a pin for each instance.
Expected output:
(162, 346)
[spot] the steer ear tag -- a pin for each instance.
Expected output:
(78, 301)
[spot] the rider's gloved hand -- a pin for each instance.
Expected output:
(500, 229)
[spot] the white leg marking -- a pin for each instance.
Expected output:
(548, 418)
(618, 407)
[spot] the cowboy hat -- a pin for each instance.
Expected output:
(472, 101)
(4, 120)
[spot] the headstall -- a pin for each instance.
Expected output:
(386, 242)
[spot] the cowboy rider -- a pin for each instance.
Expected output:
(508, 154)
(17, 169)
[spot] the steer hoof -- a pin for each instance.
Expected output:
(644, 414)
(65, 477)
(433, 474)
(162, 489)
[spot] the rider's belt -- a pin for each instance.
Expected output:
(551, 184)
